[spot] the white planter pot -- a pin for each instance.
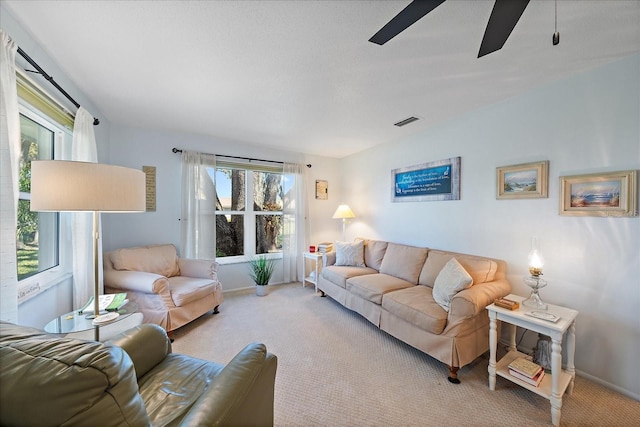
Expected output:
(261, 290)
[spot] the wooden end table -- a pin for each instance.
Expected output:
(560, 380)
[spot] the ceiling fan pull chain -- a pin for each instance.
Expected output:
(556, 35)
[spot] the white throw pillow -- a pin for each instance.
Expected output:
(452, 279)
(350, 253)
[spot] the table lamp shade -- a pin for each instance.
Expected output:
(69, 186)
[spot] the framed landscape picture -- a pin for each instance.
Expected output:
(599, 194)
(524, 181)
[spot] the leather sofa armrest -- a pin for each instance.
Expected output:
(198, 268)
(328, 258)
(146, 344)
(474, 300)
(136, 281)
(241, 394)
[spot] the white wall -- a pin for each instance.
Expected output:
(135, 148)
(589, 123)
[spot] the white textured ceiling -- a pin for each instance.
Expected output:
(301, 75)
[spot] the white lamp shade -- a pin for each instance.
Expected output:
(68, 186)
(343, 211)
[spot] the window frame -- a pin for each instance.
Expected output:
(38, 283)
(249, 213)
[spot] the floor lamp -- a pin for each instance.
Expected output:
(69, 186)
(343, 212)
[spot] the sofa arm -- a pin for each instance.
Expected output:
(242, 394)
(136, 281)
(328, 258)
(198, 268)
(147, 345)
(474, 300)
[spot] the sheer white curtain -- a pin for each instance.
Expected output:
(198, 217)
(295, 230)
(84, 149)
(9, 166)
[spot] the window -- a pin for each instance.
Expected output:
(37, 232)
(248, 228)
(42, 238)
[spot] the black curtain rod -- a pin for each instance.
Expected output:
(177, 150)
(48, 78)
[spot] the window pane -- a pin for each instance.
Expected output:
(229, 235)
(37, 232)
(268, 234)
(267, 191)
(230, 189)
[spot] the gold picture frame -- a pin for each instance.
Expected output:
(600, 194)
(523, 181)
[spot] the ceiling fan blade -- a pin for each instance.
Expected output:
(503, 19)
(403, 20)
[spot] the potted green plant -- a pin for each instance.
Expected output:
(260, 270)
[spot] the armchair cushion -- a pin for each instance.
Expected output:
(158, 259)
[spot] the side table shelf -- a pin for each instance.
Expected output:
(554, 384)
(313, 275)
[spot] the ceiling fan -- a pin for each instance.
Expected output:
(503, 19)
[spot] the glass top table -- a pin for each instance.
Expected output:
(78, 322)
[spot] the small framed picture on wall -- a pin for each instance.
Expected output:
(525, 181)
(322, 189)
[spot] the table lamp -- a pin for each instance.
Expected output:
(343, 212)
(70, 186)
(535, 282)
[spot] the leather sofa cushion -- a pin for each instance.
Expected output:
(416, 306)
(188, 289)
(480, 269)
(157, 259)
(170, 389)
(373, 286)
(46, 380)
(403, 261)
(338, 274)
(374, 251)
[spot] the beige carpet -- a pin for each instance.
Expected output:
(337, 369)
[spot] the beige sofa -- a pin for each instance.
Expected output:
(394, 289)
(170, 291)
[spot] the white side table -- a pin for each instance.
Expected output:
(316, 259)
(552, 386)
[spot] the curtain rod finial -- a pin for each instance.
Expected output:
(309, 165)
(96, 122)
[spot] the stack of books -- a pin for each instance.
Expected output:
(527, 371)
(325, 247)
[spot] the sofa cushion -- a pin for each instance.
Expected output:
(338, 275)
(188, 289)
(481, 269)
(416, 306)
(452, 279)
(350, 253)
(372, 286)
(374, 251)
(157, 259)
(403, 261)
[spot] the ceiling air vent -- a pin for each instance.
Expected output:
(406, 121)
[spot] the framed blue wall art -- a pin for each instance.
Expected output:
(439, 180)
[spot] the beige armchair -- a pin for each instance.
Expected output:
(170, 291)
